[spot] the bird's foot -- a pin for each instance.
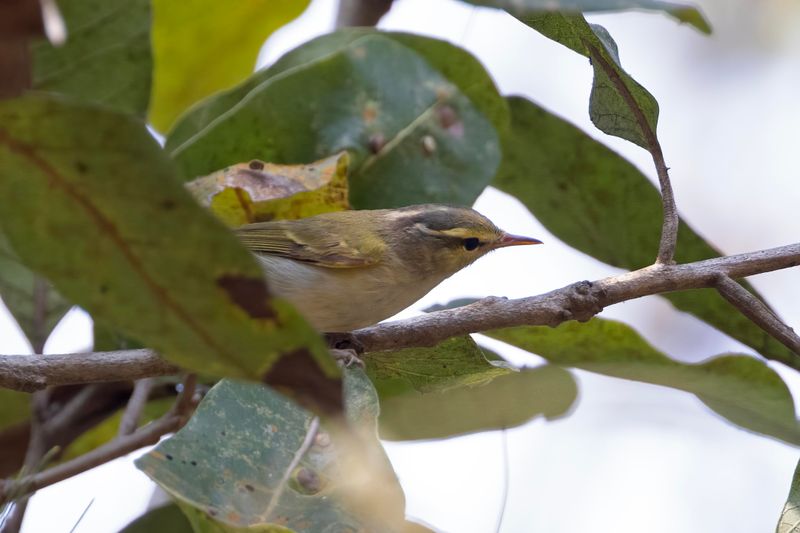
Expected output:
(344, 341)
(347, 357)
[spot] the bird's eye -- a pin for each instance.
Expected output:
(470, 243)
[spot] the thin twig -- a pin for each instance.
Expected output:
(579, 301)
(311, 434)
(671, 222)
(173, 420)
(758, 312)
(136, 403)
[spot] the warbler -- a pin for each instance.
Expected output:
(350, 269)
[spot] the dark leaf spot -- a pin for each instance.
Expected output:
(103, 289)
(376, 142)
(256, 165)
(193, 463)
(248, 293)
(81, 167)
(250, 488)
(169, 457)
(222, 433)
(309, 481)
(168, 204)
(298, 376)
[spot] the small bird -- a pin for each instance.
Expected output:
(350, 269)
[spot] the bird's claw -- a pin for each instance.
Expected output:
(347, 357)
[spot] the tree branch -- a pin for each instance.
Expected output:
(758, 312)
(671, 221)
(28, 374)
(579, 301)
(149, 434)
(136, 403)
(361, 12)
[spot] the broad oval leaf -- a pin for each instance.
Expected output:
(740, 388)
(520, 8)
(418, 128)
(506, 401)
(95, 205)
(234, 461)
(204, 46)
(618, 105)
(165, 519)
(106, 58)
(598, 202)
(257, 191)
(452, 389)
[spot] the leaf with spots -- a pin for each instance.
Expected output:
(453, 389)
(98, 208)
(257, 191)
(521, 8)
(419, 118)
(596, 201)
(188, 42)
(742, 389)
(33, 302)
(250, 458)
(106, 58)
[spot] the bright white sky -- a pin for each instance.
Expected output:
(631, 457)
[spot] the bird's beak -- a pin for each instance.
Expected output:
(515, 240)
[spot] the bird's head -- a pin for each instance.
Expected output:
(444, 239)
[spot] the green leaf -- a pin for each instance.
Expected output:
(618, 105)
(419, 117)
(99, 209)
(452, 389)
(740, 388)
(165, 519)
(506, 401)
(521, 8)
(596, 201)
(233, 461)
(455, 362)
(790, 516)
(257, 191)
(106, 57)
(204, 46)
(35, 305)
(15, 407)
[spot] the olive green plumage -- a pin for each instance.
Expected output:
(351, 269)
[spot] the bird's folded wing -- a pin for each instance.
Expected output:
(322, 246)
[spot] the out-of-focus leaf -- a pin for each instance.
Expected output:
(36, 306)
(95, 205)
(456, 362)
(790, 516)
(106, 57)
(204, 46)
(234, 461)
(108, 429)
(418, 116)
(740, 388)
(596, 201)
(165, 519)
(506, 401)
(15, 407)
(614, 92)
(257, 191)
(453, 388)
(520, 8)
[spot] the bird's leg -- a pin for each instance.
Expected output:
(345, 348)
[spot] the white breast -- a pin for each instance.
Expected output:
(342, 299)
